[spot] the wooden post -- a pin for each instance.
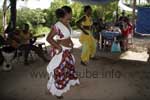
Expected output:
(134, 15)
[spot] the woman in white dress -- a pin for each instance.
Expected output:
(61, 68)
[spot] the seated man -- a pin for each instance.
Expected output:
(26, 45)
(23, 41)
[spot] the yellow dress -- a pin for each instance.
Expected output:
(88, 42)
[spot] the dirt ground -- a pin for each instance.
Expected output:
(107, 78)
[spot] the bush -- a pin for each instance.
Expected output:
(145, 5)
(40, 30)
(35, 18)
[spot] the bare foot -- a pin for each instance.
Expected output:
(47, 92)
(83, 63)
(59, 97)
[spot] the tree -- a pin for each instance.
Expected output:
(148, 1)
(51, 18)
(31, 16)
(77, 12)
(12, 23)
(4, 14)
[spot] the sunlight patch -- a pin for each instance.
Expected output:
(139, 56)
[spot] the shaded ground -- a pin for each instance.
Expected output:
(103, 79)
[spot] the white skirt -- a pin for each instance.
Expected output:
(58, 63)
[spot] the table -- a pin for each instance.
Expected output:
(107, 35)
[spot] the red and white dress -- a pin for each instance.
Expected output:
(61, 69)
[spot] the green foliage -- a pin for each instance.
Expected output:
(39, 20)
(51, 18)
(110, 8)
(34, 16)
(40, 30)
(1, 19)
(145, 5)
(77, 12)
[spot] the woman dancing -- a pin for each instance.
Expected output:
(61, 68)
(86, 38)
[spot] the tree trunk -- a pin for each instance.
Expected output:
(131, 3)
(4, 22)
(12, 23)
(148, 1)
